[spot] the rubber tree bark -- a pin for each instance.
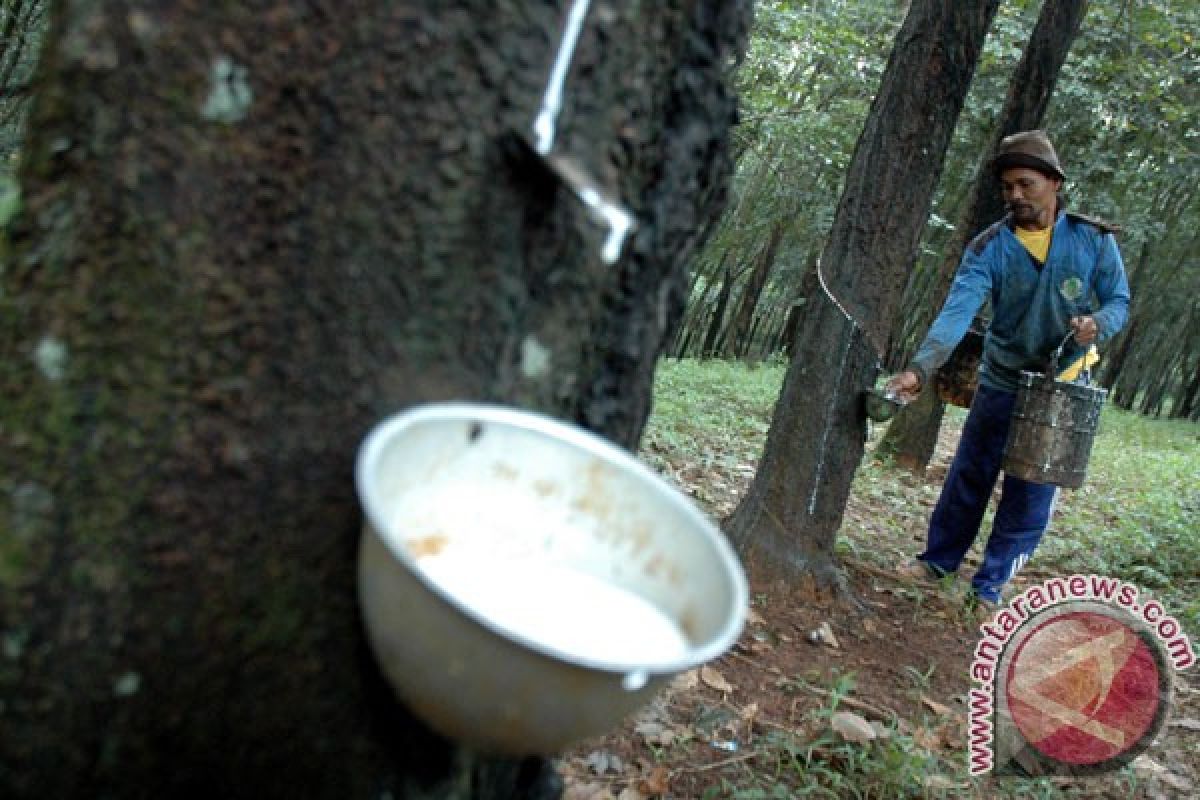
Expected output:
(249, 232)
(912, 434)
(788, 521)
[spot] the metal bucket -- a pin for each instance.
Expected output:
(956, 380)
(1053, 427)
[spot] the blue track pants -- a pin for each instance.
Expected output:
(1021, 517)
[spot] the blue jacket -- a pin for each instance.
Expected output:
(1031, 307)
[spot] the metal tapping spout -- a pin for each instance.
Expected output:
(601, 202)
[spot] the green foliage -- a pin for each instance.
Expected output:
(711, 413)
(22, 24)
(805, 88)
(10, 199)
(1125, 116)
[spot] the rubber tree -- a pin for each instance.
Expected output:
(787, 522)
(912, 435)
(248, 232)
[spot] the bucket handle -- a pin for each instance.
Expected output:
(1052, 366)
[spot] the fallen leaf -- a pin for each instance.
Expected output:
(647, 729)
(758, 648)
(954, 734)
(927, 739)
(656, 733)
(754, 618)
(942, 782)
(748, 714)
(630, 793)
(654, 783)
(1147, 764)
(1177, 782)
(686, 681)
(826, 634)
(1186, 724)
(715, 680)
(601, 762)
(852, 727)
(588, 791)
(936, 707)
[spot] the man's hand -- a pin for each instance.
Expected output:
(1085, 329)
(905, 386)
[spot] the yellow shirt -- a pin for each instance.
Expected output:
(1036, 242)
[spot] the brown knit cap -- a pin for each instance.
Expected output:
(1028, 149)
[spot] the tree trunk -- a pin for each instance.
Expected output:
(913, 441)
(788, 520)
(737, 339)
(249, 232)
(791, 327)
(1115, 361)
(1120, 347)
(711, 338)
(696, 314)
(773, 333)
(912, 435)
(1184, 404)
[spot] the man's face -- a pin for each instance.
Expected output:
(1030, 196)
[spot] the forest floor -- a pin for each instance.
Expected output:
(760, 721)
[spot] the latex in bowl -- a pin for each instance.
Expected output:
(525, 584)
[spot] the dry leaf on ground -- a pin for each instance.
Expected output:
(940, 709)
(656, 733)
(852, 727)
(686, 681)
(655, 783)
(588, 791)
(943, 783)
(601, 762)
(715, 680)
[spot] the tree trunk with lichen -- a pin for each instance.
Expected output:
(788, 521)
(248, 232)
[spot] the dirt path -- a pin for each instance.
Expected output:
(757, 722)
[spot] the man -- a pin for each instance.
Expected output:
(1047, 272)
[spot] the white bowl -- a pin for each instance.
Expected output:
(526, 584)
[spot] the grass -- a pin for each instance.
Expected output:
(791, 764)
(1135, 518)
(712, 410)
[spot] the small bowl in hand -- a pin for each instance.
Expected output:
(880, 405)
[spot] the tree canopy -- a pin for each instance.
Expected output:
(1124, 117)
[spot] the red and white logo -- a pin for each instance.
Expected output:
(1072, 677)
(1086, 689)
